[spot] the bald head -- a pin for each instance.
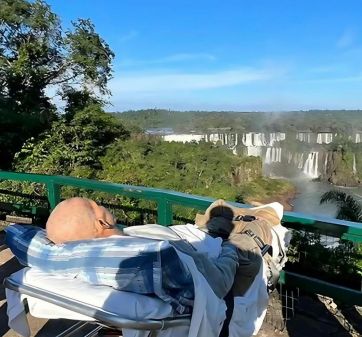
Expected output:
(79, 219)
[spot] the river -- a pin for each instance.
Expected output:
(309, 193)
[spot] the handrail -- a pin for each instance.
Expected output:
(165, 199)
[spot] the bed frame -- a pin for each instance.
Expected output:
(102, 318)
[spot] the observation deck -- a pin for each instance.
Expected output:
(316, 259)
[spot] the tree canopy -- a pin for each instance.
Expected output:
(39, 59)
(72, 147)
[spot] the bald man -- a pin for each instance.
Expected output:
(80, 219)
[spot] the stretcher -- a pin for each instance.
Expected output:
(71, 306)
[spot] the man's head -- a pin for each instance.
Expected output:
(79, 219)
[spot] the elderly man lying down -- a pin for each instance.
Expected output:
(82, 241)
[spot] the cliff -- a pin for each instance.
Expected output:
(340, 169)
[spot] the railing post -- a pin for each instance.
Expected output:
(164, 212)
(53, 191)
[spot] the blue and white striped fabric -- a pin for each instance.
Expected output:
(125, 263)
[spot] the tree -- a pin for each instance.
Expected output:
(348, 207)
(38, 57)
(72, 147)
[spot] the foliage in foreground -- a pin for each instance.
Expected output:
(71, 147)
(338, 261)
(39, 59)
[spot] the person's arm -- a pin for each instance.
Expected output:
(219, 272)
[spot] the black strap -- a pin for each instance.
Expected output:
(264, 248)
(246, 218)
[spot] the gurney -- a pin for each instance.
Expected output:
(135, 314)
(207, 319)
(59, 297)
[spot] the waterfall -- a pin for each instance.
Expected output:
(268, 156)
(358, 138)
(315, 165)
(290, 157)
(329, 138)
(273, 156)
(304, 137)
(183, 138)
(324, 138)
(259, 139)
(233, 143)
(326, 163)
(275, 137)
(247, 139)
(354, 169)
(310, 167)
(254, 151)
(300, 163)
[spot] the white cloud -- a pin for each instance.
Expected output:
(166, 82)
(346, 39)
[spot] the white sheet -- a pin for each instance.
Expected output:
(200, 240)
(250, 309)
(207, 319)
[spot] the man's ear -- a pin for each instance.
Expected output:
(103, 224)
(99, 226)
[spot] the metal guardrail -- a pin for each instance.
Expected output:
(166, 199)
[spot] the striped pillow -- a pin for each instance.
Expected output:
(125, 263)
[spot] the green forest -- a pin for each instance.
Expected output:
(337, 121)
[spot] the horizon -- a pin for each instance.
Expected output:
(236, 111)
(236, 56)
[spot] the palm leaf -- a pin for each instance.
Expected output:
(348, 207)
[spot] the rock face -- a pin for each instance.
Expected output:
(340, 168)
(248, 170)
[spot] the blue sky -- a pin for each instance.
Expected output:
(231, 54)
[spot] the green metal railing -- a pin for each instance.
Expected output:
(166, 199)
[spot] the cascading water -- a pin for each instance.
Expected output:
(300, 162)
(255, 151)
(310, 167)
(247, 139)
(324, 138)
(354, 168)
(268, 156)
(273, 155)
(326, 163)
